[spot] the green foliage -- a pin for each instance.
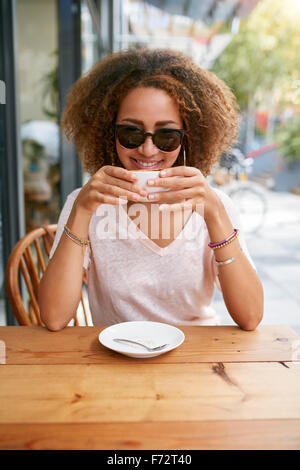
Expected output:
(264, 56)
(262, 66)
(50, 97)
(289, 139)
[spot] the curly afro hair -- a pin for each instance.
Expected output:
(207, 106)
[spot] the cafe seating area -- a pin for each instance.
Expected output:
(215, 381)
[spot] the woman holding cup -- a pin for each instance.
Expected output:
(138, 111)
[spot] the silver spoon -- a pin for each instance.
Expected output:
(141, 344)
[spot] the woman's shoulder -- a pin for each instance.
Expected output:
(73, 195)
(230, 206)
(227, 201)
(70, 199)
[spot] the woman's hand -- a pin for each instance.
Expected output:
(109, 185)
(188, 188)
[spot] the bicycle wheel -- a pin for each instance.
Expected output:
(252, 207)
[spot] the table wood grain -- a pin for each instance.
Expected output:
(80, 345)
(155, 392)
(275, 434)
(223, 388)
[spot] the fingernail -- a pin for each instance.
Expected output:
(152, 196)
(163, 173)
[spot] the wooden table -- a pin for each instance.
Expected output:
(223, 388)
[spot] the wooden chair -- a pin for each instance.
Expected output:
(27, 262)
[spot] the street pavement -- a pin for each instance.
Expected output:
(275, 250)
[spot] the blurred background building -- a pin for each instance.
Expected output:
(46, 45)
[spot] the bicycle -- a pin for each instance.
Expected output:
(232, 174)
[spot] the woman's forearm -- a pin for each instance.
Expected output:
(241, 287)
(61, 285)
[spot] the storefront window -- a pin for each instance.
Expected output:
(39, 115)
(89, 41)
(90, 48)
(194, 28)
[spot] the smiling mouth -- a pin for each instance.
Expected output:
(143, 164)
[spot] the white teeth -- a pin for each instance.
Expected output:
(147, 164)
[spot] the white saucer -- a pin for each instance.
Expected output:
(151, 333)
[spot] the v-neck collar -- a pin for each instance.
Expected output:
(134, 230)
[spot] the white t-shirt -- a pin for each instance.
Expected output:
(131, 278)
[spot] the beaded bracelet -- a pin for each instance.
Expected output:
(226, 261)
(225, 242)
(78, 240)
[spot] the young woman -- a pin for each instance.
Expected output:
(150, 109)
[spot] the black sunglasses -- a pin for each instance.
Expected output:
(165, 139)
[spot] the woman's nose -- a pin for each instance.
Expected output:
(148, 148)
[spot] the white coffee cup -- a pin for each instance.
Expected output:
(144, 176)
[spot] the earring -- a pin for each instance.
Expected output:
(113, 160)
(184, 157)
